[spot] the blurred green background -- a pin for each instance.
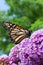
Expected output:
(26, 13)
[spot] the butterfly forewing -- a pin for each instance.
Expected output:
(9, 26)
(17, 33)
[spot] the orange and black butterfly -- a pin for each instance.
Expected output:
(16, 32)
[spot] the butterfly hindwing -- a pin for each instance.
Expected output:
(17, 33)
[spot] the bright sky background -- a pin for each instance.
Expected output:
(3, 5)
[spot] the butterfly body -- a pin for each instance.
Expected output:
(16, 33)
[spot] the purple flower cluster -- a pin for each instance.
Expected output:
(4, 60)
(28, 52)
(37, 37)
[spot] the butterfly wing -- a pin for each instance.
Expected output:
(17, 33)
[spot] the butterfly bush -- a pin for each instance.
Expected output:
(28, 52)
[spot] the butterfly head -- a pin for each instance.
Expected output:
(28, 33)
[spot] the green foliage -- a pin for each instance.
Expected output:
(22, 21)
(31, 9)
(37, 25)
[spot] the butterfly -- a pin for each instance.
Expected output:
(16, 32)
